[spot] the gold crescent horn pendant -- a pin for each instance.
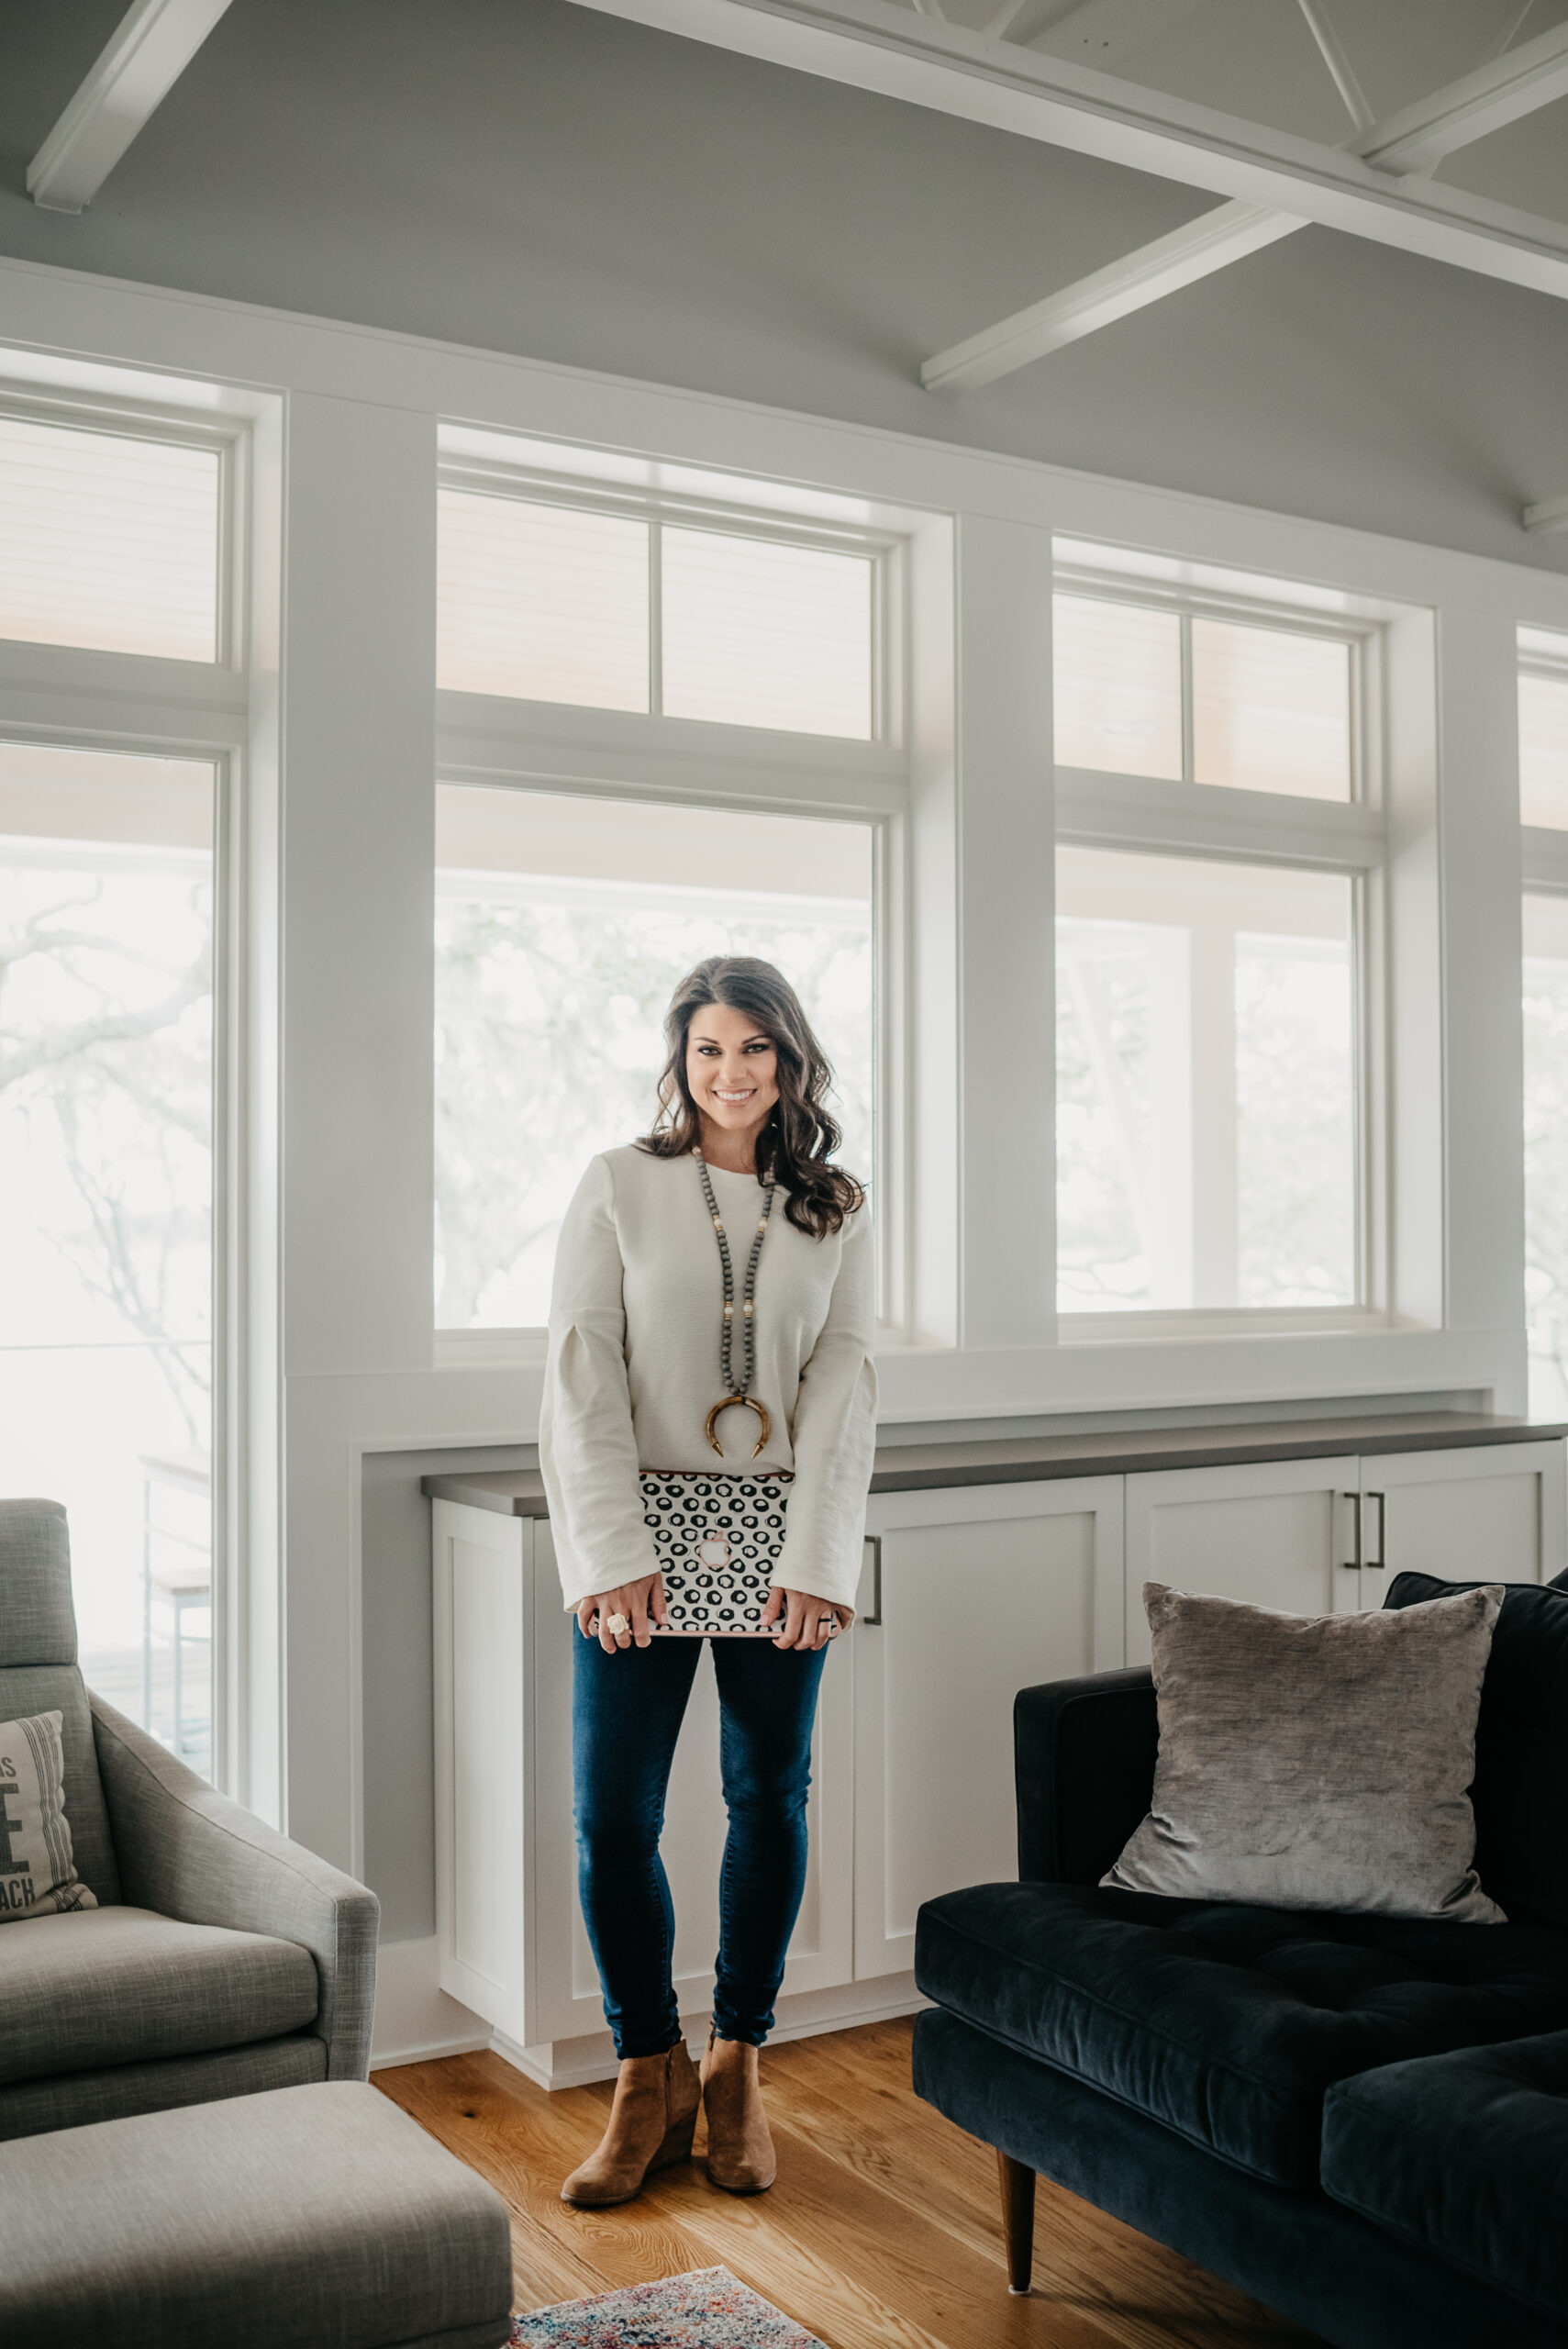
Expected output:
(747, 1403)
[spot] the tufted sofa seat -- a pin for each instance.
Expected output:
(1228, 2024)
(1466, 2157)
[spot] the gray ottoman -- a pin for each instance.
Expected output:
(305, 2218)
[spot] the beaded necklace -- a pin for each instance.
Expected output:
(738, 1391)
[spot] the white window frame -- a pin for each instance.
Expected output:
(1219, 822)
(523, 744)
(62, 696)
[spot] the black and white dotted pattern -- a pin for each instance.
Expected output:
(718, 1540)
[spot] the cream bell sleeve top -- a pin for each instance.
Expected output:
(633, 1368)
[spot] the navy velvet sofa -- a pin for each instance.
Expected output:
(1362, 2120)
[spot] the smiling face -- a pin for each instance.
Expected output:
(732, 1073)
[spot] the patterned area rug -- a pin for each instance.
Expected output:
(709, 2310)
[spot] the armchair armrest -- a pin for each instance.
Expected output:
(1083, 1767)
(186, 1851)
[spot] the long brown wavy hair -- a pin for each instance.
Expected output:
(799, 1137)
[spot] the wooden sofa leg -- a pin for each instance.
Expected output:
(1017, 2221)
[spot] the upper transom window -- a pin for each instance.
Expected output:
(1184, 695)
(110, 541)
(615, 604)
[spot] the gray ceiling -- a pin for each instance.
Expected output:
(530, 176)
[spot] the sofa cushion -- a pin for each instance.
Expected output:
(1223, 2023)
(1315, 1761)
(1521, 1793)
(1464, 2155)
(122, 1985)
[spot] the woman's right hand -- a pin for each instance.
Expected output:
(640, 1602)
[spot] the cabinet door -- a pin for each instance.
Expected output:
(1493, 1513)
(984, 1592)
(1276, 1533)
(480, 1589)
(566, 2001)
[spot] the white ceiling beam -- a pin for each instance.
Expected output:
(1170, 264)
(1551, 514)
(1418, 137)
(145, 57)
(877, 45)
(1195, 250)
(1342, 72)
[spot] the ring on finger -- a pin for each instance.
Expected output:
(617, 1624)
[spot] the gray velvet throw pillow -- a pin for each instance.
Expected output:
(1315, 1761)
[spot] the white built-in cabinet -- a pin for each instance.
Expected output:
(967, 1594)
(1325, 1537)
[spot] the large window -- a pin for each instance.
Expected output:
(1211, 1108)
(106, 1203)
(632, 609)
(115, 541)
(563, 925)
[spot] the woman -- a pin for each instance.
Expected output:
(635, 1349)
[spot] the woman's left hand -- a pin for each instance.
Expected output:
(808, 1622)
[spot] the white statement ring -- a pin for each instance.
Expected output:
(617, 1624)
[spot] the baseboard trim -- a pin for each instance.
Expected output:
(416, 2020)
(576, 2063)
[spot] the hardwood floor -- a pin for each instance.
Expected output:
(883, 2229)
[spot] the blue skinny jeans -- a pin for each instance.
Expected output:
(627, 1710)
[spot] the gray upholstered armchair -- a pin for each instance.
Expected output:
(221, 1959)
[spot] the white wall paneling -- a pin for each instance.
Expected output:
(339, 764)
(1006, 898)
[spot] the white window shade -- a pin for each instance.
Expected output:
(542, 603)
(761, 633)
(1117, 687)
(1270, 710)
(1543, 751)
(107, 541)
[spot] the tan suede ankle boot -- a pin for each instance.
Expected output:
(740, 2154)
(651, 2121)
